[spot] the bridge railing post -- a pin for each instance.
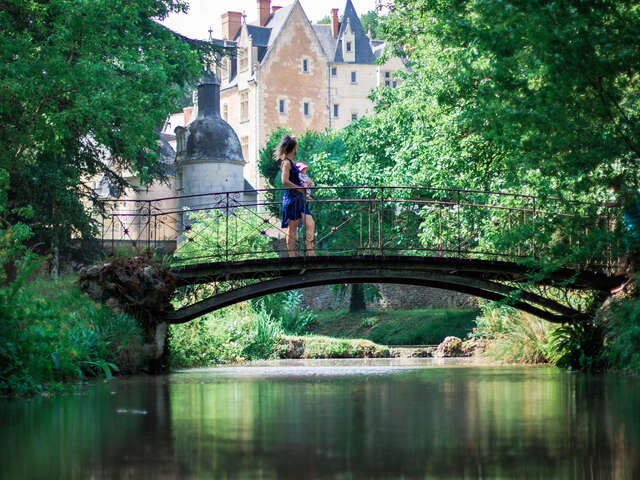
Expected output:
(226, 243)
(380, 218)
(535, 230)
(459, 228)
(113, 233)
(148, 224)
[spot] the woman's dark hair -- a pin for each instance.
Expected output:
(286, 146)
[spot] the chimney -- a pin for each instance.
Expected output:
(231, 23)
(335, 26)
(274, 9)
(188, 113)
(264, 11)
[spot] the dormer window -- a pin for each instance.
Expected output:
(349, 44)
(243, 59)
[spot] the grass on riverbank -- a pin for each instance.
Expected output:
(513, 336)
(53, 333)
(400, 327)
(241, 333)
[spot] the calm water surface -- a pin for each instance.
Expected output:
(332, 419)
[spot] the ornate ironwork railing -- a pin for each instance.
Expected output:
(360, 220)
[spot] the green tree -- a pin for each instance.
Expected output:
(80, 81)
(371, 20)
(534, 96)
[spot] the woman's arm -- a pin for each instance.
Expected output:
(285, 167)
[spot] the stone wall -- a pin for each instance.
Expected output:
(391, 297)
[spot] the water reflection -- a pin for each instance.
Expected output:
(381, 419)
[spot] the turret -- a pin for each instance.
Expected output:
(209, 156)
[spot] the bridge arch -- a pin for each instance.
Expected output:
(528, 302)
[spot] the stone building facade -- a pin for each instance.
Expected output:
(287, 72)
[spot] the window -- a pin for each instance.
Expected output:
(224, 69)
(387, 83)
(282, 107)
(348, 46)
(354, 117)
(244, 106)
(353, 77)
(243, 60)
(395, 84)
(387, 74)
(305, 65)
(225, 112)
(336, 110)
(245, 147)
(307, 109)
(334, 72)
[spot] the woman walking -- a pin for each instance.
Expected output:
(294, 209)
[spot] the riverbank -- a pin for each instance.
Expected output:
(52, 335)
(397, 327)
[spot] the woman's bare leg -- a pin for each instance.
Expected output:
(290, 237)
(309, 234)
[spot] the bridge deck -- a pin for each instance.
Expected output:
(473, 268)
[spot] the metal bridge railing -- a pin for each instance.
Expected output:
(359, 220)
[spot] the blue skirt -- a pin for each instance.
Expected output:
(293, 206)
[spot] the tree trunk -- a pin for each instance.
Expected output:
(357, 303)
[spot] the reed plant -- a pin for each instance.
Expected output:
(513, 336)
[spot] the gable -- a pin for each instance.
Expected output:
(284, 28)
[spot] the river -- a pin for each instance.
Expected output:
(371, 419)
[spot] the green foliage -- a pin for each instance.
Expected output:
(51, 333)
(622, 350)
(77, 79)
(371, 20)
(578, 346)
(286, 308)
(487, 80)
(233, 334)
(513, 336)
(325, 347)
(213, 234)
(400, 327)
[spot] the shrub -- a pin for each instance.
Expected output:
(514, 336)
(622, 337)
(52, 333)
(578, 346)
(287, 309)
(234, 334)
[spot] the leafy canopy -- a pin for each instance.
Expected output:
(81, 82)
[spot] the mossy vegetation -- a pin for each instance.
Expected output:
(400, 327)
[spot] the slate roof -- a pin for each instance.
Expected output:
(325, 35)
(276, 22)
(364, 54)
(259, 35)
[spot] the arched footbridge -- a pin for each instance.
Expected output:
(553, 258)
